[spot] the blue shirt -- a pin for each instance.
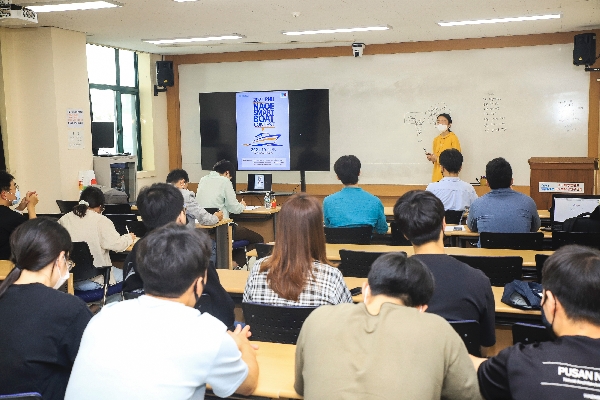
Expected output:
(352, 206)
(504, 211)
(455, 193)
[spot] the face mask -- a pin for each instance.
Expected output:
(18, 198)
(442, 128)
(61, 279)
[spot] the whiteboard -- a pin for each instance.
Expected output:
(516, 103)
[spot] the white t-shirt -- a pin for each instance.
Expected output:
(168, 351)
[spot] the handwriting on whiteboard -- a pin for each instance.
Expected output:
(493, 118)
(427, 117)
(569, 115)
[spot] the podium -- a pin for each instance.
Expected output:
(560, 170)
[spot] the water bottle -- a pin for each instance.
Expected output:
(268, 200)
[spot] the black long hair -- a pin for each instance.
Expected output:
(35, 244)
(93, 197)
(447, 116)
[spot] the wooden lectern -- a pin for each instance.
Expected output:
(560, 169)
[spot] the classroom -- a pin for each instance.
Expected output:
(511, 88)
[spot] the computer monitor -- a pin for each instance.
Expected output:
(103, 136)
(565, 206)
(260, 182)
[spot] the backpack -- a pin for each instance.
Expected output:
(586, 222)
(523, 295)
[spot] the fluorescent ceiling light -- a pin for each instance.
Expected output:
(181, 1)
(193, 40)
(342, 30)
(496, 20)
(88, 5)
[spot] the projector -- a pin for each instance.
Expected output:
(14, 15)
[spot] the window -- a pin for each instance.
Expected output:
(114, 96)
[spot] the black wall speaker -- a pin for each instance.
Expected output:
(584, 51)
(164, 73)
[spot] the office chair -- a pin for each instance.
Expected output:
(500, 270)
(137, 228)
(398, 238)
(453, 217)
(540, 259)
(514, 241)
(66, 206)
(21, 396)
(560, 239)
(468, 331)
(528, 333)
(357, 263)
(275, 324)
(84, 269)
(117, 209)
(263, 250)
(349, 235)
(120, 221)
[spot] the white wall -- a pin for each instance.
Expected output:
(514, 102)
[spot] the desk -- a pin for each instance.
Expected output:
(261, 220)
(7, 266)
(223, 239)
(458, 236)
(333, 251)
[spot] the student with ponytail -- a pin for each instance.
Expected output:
(87, 224)
(41, 327)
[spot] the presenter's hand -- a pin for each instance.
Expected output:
(243, 203)
(219, 214)
(431, 157)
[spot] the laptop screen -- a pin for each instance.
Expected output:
(260, 182)
(567, 206)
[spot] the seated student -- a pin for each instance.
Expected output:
(503, 209)
(179, 178)
(87, 224)
(455, 193)
(172, 350)
(461, 292)
(386, 347)
(569, 366)
(352, 206)
(10, 219)
(297, 273)
(216, 191)
(159, 205)
(41, 327)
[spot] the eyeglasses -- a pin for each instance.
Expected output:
(70, 264)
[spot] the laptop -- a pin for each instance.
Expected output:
(565, 206)
(259, 183)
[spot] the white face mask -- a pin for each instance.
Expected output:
(442, 128)
(61, 278)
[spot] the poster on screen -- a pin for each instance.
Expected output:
(561, 187)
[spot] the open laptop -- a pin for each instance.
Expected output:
(565, 206)
(259, 183)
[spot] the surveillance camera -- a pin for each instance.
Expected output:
(357, 49)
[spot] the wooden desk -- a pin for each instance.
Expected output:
(333, 251)
(467, 234)
(7, 266)
(261, 220)
(223, 239)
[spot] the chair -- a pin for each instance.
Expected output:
(515, 241)
(263, 250)
(453, 217)
(84, 269)
(560, 239)
(275, 324)
(22, 396)
(349, 235)
(66, 206)
(357, 263)
(540, 259)
(136, 227)
(117, 209)
(53, 217)
(398, 238)
(120, 221)
(528, 333)
(500, 270)
(468, 331)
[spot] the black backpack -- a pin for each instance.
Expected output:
(586, 222)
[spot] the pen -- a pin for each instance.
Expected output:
(126, 227)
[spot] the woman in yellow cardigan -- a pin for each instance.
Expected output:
(444, 141)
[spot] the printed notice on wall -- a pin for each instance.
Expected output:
(263, 130)
(74, 118)
(561, 187)
(75, 139)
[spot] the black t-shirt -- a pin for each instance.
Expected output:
(9, 220)
(567, 368)
(462, 293)
(40, 332)
(221, 303)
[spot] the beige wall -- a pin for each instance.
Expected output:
(44, 73)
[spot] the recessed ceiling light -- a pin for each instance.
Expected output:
(342, 30)
(192, 40)
(496, 20)
(73, 6)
